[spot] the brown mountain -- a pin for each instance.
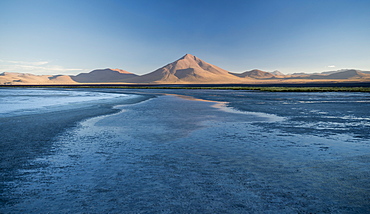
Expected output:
(188, 69)
(103, 75)
(256, 74)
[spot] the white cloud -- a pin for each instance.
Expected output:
(39, 67)
(28, 63)
(331, 66)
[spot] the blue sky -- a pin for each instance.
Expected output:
(73, 36)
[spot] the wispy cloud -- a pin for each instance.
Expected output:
(331, 66)
(26, 63)
(38, 67)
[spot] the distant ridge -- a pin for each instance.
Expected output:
(188, 69)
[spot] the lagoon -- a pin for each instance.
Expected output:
(189, 151)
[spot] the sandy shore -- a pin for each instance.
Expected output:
(175, 155)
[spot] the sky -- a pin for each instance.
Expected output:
(140, 36)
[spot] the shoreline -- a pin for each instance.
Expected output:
(309, 87)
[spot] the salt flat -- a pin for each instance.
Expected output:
(222, 152)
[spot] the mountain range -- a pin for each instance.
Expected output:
(188, 69)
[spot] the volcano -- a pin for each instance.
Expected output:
(188, 69)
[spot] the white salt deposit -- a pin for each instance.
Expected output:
(25, 101)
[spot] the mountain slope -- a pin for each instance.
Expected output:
(188, 69)
(103, 75)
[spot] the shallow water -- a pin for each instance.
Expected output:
(175, 155)
(324, 114)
